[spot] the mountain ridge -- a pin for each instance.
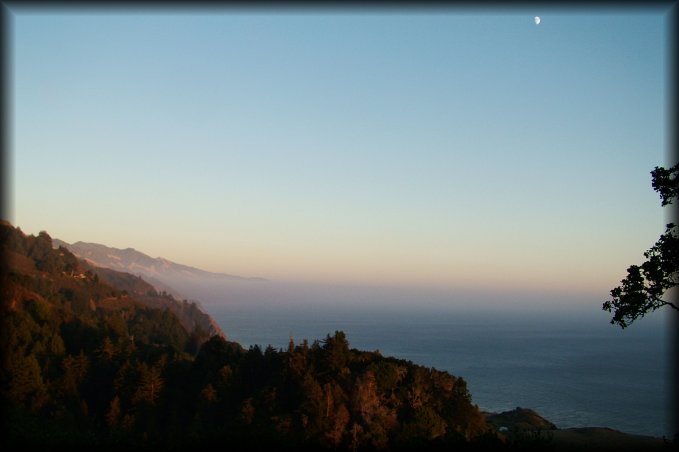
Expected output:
(40, 257)
(151, 292)
(137, 262)
(35, 270)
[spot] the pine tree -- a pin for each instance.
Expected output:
(150, 384)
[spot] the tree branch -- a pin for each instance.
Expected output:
(665, 303)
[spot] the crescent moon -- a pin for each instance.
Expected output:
(537, 20)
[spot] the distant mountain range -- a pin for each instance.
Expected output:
(165, 275)
(136, 262)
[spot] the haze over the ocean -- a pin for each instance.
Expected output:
(447, 148)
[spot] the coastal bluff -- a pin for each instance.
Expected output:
(528, 430)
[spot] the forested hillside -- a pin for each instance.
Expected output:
(85, 363)
(188, 313)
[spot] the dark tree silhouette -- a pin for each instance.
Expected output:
(646, 286)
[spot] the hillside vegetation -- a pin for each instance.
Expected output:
(87, 362)
(188, 313)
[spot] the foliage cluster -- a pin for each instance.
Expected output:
(652, 284)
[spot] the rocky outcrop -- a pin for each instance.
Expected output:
(525, 429)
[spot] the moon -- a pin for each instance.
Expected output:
(537, 20)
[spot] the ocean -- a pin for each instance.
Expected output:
(574, 370)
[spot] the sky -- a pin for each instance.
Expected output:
(448, 148)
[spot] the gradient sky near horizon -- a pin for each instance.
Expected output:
(447, 148)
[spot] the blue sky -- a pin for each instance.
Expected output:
(438, 149)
